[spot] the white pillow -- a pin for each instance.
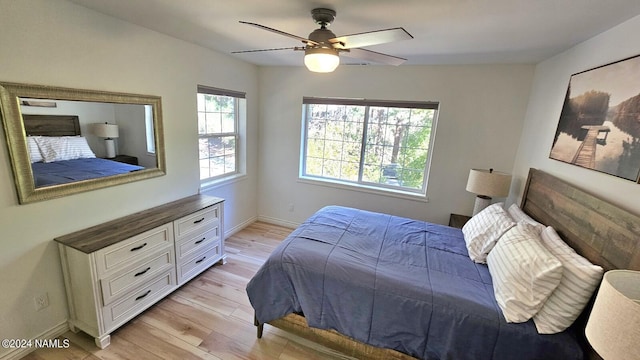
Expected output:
(484, 229)
(34, 150)
(524, 273)
(64, 148)
(520, 216)
(579, 280)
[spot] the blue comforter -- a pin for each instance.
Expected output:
(396, 283)
(62, 172)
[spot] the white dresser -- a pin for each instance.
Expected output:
(116, 270)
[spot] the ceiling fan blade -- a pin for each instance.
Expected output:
(377, 57)
(272, 49)
(370, 38)
(304, 40)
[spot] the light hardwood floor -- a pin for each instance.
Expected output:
(208, 318)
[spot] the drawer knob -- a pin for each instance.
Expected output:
(201, 240)
(143, 272)
(139, 247)
(198, 221)
(201, 260)
(143, 295)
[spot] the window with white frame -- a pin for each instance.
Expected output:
(371, 143)
(218, 136)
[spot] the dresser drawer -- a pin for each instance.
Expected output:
(197, 243)
(124, 309)
(118, 255)
(125, 280)
(198, 222)
(196, 264)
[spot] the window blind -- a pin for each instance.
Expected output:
(366, 102)
(221, 92)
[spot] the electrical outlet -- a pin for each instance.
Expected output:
(41, 301)
(291, 207)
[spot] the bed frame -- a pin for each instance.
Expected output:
(51, 125)
(600, 231)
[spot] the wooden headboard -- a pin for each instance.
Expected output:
(598, 230)
(51, 125)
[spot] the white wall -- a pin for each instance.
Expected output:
(482, 109)
(547, 96)
(58, 43)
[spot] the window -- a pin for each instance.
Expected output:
(218, 113)
(379, 144)
(148, 123)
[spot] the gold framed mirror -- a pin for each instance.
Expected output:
(63, 141)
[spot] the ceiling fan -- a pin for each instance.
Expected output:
(323, 46)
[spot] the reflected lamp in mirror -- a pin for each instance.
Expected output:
(613, 328)
(109, 132)
(487, 184)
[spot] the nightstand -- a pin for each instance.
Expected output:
(128, 159)
(458, 221)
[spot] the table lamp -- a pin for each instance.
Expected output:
(109, 132)
(613, 328)
(487, 184)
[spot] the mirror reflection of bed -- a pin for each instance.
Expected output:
(75, 152)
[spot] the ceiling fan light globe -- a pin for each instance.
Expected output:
(321, 60)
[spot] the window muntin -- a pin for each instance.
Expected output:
(217, 132)
(371, 143)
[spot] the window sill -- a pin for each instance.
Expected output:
(366, 189)
(209, 185)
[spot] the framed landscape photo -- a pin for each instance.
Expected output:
(599, 126)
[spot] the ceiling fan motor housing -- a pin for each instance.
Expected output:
(322, 36)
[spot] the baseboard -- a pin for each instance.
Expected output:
(52, 333)
(242, 225)
(280, 222)
(266, 219)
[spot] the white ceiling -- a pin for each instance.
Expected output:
(445, 31)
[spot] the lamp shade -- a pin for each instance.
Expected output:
(105, 130)
(488, 183)
(321, 60)
(613, 329)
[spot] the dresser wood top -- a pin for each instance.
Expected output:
(100, 236)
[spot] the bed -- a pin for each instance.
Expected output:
(71, 170)
(599, 231)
